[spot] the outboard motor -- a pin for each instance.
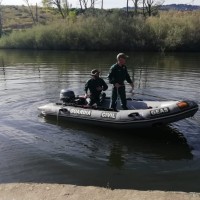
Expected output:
(67, 96)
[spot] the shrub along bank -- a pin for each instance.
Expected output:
(169, 31)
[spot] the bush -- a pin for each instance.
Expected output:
(170, 31)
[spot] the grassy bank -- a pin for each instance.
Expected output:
(170, 31)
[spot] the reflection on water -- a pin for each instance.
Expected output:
(34, 149)
(159, 143)
(116, 157)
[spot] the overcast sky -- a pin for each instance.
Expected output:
(107, 3)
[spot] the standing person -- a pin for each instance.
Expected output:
(95, 85)
(117, 75)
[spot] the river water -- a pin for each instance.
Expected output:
(38, 150)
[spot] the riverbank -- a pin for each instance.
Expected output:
(24, 191)
(167, 32)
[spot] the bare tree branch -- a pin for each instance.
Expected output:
(1, 24)
(30, 11)
(152, 5)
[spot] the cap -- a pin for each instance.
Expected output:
(121, 55)
(95, 72)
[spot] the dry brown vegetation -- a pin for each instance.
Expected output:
(18, 17)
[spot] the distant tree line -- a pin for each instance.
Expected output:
(148, 7)
(88, 28)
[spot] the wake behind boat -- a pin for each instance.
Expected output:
(140, 113)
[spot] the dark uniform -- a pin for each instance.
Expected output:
(118, 74)
(92, 85)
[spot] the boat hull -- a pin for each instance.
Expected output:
(138, 117)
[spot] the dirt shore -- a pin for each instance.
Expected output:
(25, 191)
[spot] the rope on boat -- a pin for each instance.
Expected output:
(57, 116)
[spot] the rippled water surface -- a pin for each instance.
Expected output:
(38, 150)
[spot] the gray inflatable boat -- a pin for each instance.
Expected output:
(140, 113)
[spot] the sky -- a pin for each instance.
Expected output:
(107, 3)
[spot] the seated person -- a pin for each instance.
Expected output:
(95, 85)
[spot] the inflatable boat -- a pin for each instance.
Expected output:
(140, 113)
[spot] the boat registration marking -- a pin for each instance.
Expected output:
(108, 115)
(80, 112)
(159, 111)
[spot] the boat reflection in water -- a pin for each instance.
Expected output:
(90, 155)
(165, 143)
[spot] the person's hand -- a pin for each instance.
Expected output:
(132, 91)
(117, 85)
(132, 85)
(132, 88)
(86, 95)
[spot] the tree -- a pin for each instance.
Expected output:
(85, 4)
(1, 26)
(127, 7)
(62, 6)
(30, 11)
(152, 6)
(136, 5)
(101, 4)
